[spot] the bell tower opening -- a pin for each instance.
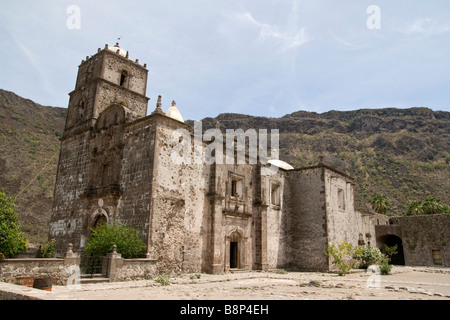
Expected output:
(124, 78)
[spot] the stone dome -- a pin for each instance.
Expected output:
(174, 113)
(118, 50)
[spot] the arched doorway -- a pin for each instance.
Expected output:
(391, 240)
(235, 249)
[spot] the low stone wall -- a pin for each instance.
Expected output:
(133, 269)
(119, 269)
(56, 269)
(60, 270)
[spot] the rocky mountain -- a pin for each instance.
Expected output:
(29, 148)
(403, 154)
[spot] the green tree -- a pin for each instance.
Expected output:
(12, 240)
(380, 204)
(104, 237)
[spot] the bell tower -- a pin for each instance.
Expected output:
(109, 94)
(107, 78)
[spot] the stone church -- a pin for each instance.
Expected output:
(115, 166)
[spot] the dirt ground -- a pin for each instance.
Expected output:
(405, 283)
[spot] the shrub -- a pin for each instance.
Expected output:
(280, 271)
(163, 280)
(12, 240)
(195, 276)
(367, 256)
(104, 237)
(48, 249)
(373, 256)
(385, 267)
(342, 256)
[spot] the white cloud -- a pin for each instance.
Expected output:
(425, 27)
(288, 39)
(347, 44)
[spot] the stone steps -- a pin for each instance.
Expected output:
(238, 271)
(93, 278)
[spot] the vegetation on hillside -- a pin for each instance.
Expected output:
(29, 144)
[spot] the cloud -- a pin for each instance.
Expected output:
(424, 27)
(346, 44)
(288, 39)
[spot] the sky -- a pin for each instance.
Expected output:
(255, 57)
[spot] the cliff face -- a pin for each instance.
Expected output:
(401, 153)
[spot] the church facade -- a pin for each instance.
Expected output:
(116, 165)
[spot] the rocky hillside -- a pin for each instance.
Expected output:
(29, 154)
(401, 153)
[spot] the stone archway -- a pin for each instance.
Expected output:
(392, 240)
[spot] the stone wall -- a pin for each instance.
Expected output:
(57, 269)
(341, 213)
(118, 269)
(178, 203)
(343, 221)
(133, 207)
(421, 235)
(275, 230)
(136, 269)
(67, 223)
(304, 220)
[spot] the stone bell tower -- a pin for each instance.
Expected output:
(106, 78)
(109, 95)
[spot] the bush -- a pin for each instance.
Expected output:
(373, 256)
(48, 249)
(104, 237)
(383, 262)
(342, 256)
(163, 280)
(280, 271)
(367, 256)
(12, 240)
